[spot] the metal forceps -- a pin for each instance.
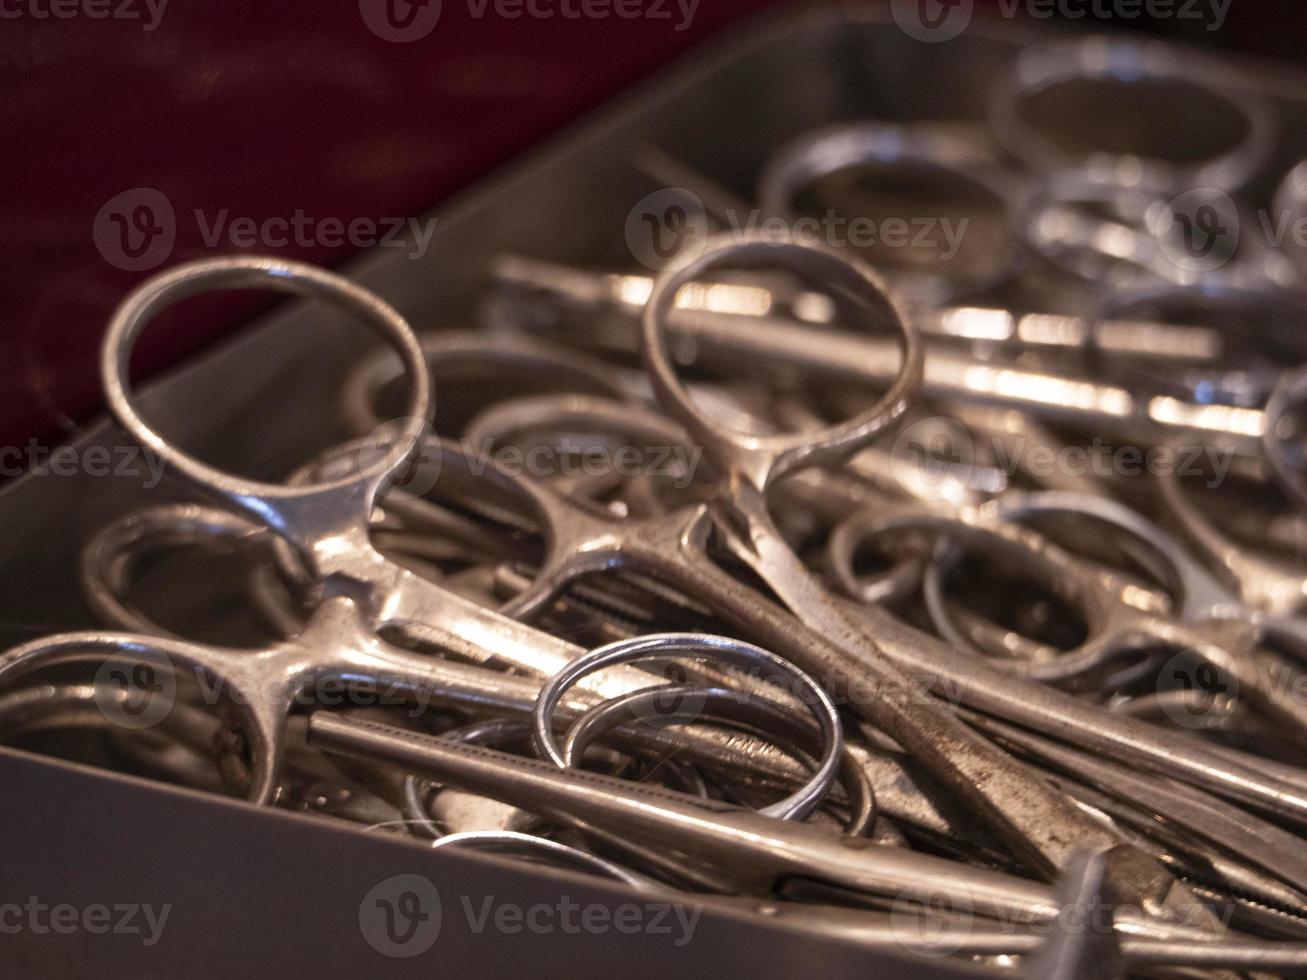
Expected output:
(595, 293)
(820, 637)
(720, 335)
(121, 543)
(1208, 619)
(1117, 77)
(1091, 232)
(960, 160)
(326, 524)
(760, 855)
(1281, 444)
(1266, 580)
(725, 341)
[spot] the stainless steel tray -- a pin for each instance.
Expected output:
(263, 892)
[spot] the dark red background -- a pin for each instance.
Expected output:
(263, 107)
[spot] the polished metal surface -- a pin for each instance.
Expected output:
(809, 580)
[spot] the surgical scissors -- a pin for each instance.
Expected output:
(1208, 619)
(965, 935)
(761, 855)
(928, 269)
(713, 336)
(118, 545)
(979, 684)
(326, 525)
(990, 327)
(468, 362)
(1027, 705)
(1091, 230)
(1260, 333)
(1271, 579)
(821, 637)
(800, 803)
(1129, 237)
(1121, 81)
(1286, 458)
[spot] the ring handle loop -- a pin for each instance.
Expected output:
(730, 651)
(302, 514)
(764, 458)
